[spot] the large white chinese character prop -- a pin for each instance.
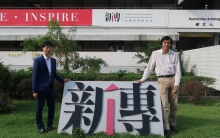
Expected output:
(111, 106)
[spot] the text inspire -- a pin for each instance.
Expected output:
(45, 16)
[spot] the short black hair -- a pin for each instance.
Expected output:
(166, 38)
(47, 43)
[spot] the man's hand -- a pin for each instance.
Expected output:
(175, 88)
(66, 80)
(35, 95)
(138, 81)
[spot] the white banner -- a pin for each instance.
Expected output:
(129, 17)
(111, 106)
(194, 18)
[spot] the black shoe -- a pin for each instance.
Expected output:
(166, 133)
(42, 131)
(173, 128)
(50, 128)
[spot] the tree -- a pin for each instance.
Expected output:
(64, 49)
(144, 53)
(88, 63)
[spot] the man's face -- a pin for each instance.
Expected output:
(47, 50)
(166, 44)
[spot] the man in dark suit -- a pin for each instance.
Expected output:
(44, 73)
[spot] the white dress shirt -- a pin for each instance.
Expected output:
(164, 64)
(48, 61)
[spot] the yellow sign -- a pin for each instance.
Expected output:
(196, 34)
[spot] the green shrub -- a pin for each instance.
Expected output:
(213, 92)
(78, 133)
(5, 100)
(90, 75)
(107, 77)
(4, 77)
(196, 86)
(5, 103)
(58, 90)
(205, 80)
(122, 75)
(193, 89)
(16, 77)
(24, 89)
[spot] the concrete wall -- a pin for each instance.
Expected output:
(116, 60)
(207, 62)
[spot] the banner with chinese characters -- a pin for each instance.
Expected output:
(36, 17)
(111, 106)
(194, 19)
(130, 17)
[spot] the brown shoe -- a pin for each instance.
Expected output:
(173, 128)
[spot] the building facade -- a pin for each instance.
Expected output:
(125, 24)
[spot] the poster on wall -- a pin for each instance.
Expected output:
(36, 17)
(194, 19)
(130, 17)
(111, 106)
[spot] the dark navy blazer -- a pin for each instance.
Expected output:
(41, 80)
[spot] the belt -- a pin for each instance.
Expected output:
(166, 76)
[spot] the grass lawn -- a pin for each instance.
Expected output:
(194, 121)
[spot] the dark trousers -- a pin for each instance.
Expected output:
(49, 96)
